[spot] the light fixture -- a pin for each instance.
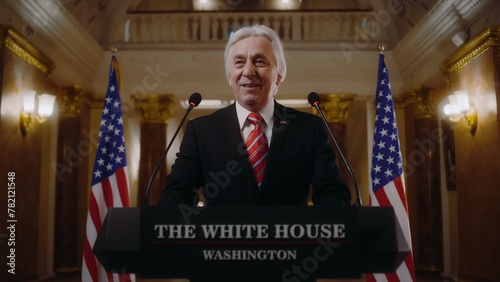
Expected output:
(460, 109)
(31, 113)
(207, 104)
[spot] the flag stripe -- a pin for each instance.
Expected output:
(89, 270)
(107, 193)
(95, 223)
(123, 187)
(398, 181)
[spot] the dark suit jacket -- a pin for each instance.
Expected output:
(213, 156)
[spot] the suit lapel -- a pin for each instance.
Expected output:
(280, 129)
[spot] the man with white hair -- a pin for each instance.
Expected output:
(255, 151)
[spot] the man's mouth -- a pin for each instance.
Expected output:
(250, 85)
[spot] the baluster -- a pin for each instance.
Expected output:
(225, 29)
(337, 24)
(155, 29)
(325, 31)
(346, 27)
(277, 23)
(361, 22)
(246, 21)
(306, 23)
(286, 28)
(258, 20)
(163, 28)
(134, 29)
(184, 28)
(214, 26)
(296, 27)
(173, 28)
(266, 20)
(194, 28)
(235, 25)
(373, 29)
(144, 29)
(328, 27)
(316, 27)
(271, 22)
(204, 27)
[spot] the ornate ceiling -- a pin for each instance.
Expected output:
(77, 35)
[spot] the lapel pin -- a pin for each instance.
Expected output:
(283, 122)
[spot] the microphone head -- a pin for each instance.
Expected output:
(313, 99)
(195, 99)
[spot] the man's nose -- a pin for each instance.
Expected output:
(249, 69)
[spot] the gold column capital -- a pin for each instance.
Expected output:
(336, 106)
(402, 101)
(71, 100)
(424, 101)
(154, 108)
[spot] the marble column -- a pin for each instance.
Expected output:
(336, 108)
(430, 237)
(66, 248)
(155, 111)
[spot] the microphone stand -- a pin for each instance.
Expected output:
(157, 168)
(358, 198)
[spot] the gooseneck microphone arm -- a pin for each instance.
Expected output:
(194, 101)
(314, 100)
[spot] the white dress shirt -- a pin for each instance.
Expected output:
(267, 123)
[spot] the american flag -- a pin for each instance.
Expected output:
(387, 171)
(109, 178)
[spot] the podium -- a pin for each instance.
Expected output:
(251, 243)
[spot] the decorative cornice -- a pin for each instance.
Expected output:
(336, 107)
(72, 97)
(489, 38)
(154, 108)
(24, 50)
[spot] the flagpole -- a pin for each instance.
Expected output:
(387, 171)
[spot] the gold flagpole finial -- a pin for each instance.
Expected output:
(113, 49)
(381, 48)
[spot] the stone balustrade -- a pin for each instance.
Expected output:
(217, 27)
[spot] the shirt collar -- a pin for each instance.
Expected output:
(267, 113)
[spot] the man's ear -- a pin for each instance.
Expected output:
(278, 80)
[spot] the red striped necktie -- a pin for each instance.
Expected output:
(257, 147)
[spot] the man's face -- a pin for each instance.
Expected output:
(253, 72)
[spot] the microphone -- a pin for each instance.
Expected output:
(194, 101)
(314, 100)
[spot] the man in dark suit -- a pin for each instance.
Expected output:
(255, 151)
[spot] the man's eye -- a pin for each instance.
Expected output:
(260, 63)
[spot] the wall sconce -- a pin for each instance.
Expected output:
(31, 113)
(460, 109)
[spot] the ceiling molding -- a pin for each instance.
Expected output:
(425, 39)
(75, 53)
(420, 53)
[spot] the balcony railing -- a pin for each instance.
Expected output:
(217, 27)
